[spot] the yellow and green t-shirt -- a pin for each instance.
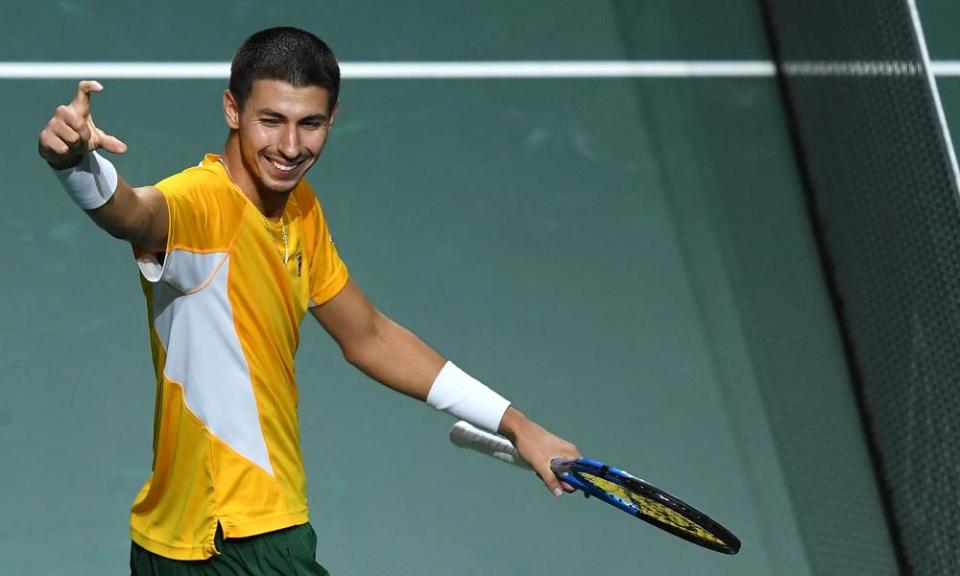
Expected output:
(224, 309)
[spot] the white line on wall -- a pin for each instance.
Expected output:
(517, 69)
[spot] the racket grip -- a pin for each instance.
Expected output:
(465, 435)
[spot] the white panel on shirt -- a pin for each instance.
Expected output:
(194, 320)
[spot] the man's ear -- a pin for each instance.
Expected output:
(333, 113)
(231, 110)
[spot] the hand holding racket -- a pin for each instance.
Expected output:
(613, 486)
(535, 447)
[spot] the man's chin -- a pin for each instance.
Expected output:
(280, 185)
(284, 187)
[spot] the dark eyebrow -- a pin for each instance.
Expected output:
(274, 114)
(269, 112)
(322, 118)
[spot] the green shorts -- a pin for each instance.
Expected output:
(288, 552)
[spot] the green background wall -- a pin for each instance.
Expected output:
(628, 260)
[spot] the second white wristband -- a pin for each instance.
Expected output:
(463, 396)
(91, 183)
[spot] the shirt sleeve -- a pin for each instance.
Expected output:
(198, 233)
(197, 212)
(328, 273)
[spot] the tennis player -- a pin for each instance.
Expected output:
(233, 252)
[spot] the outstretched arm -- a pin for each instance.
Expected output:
(69, 143)
(397, 358)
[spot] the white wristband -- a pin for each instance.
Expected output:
(91, 182)
(462, 396)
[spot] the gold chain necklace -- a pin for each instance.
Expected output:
(266, 223)
(283, 234)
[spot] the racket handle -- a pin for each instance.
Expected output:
(465, 435)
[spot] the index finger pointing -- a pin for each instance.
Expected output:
(81, 101)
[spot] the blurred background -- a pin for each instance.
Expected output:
(641, 264)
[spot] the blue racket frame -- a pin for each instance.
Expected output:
(569, 471)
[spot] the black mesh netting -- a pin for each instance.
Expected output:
(885, 200)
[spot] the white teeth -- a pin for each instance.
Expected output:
(284, 167)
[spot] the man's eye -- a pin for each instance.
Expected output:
(269, 121)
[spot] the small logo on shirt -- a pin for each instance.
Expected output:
(299, 258)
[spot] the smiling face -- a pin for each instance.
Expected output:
(278, 134)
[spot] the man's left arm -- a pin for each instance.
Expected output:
(397, 358)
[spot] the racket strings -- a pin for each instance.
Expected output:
(652, 509)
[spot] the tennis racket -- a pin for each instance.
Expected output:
(615, 487)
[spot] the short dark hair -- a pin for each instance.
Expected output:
(294, 56)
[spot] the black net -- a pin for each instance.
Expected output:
(885, 201)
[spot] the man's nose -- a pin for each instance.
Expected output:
(289, 144)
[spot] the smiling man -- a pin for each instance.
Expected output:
(233, 253)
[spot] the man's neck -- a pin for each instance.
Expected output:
(269, 202)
